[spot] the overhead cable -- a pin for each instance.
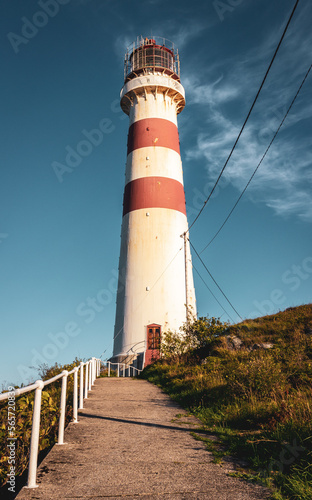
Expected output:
(211, 292)
(203, 263)
(249, 113)
(264, 155)
(145, 296)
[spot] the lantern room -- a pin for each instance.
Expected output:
(156, 55)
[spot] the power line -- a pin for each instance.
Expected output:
(249, 113)
(211, 292)
(264, 155)
(203, 263)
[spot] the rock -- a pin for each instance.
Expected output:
(264, 345)
(234, 342)
(267, 345)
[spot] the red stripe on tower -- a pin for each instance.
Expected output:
(154, 192)
(153, 132)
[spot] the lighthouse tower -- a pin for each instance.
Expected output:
(155, 288)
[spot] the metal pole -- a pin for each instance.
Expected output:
(86, 380)
(108, 369)
(117, 369)
(75, 396)
(63, 408)
(34, 443)
(90, 374)
(143, 361)
(124, 369)
(186, 279)
(93, 371)
(81, 387)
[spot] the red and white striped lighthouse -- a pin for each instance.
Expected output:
(155, 288)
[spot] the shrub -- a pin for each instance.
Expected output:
(195, 338)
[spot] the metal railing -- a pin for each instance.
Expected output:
(122, 368)
(136, 56)
(87, 379)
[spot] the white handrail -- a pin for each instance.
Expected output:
(92, 367)
(81, 387)
(53, 379)
(109, 364)
(34, 441)
(62, 408)
(18, 392)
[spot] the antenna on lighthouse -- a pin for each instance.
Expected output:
(155, 274)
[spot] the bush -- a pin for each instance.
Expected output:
(195, 338)
(257, 375)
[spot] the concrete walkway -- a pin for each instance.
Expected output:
(129, 444)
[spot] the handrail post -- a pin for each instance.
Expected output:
(86, 380)
(98, 367)
(75, 396)
(34, 443)
(81, 387)
(63, 408)
(108, 369)
(92, 371)
(90, 374)
(117, 369)
(143, 361)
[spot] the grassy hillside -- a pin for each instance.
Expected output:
(250, 385)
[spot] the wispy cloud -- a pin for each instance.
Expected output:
(121, 44)
(284, 180)
(181, 35)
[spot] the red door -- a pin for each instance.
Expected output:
(153, 337)
(153, 343)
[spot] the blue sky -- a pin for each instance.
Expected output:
(60, 234)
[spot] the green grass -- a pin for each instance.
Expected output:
(258, 403)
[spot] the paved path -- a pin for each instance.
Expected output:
(128, 444)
